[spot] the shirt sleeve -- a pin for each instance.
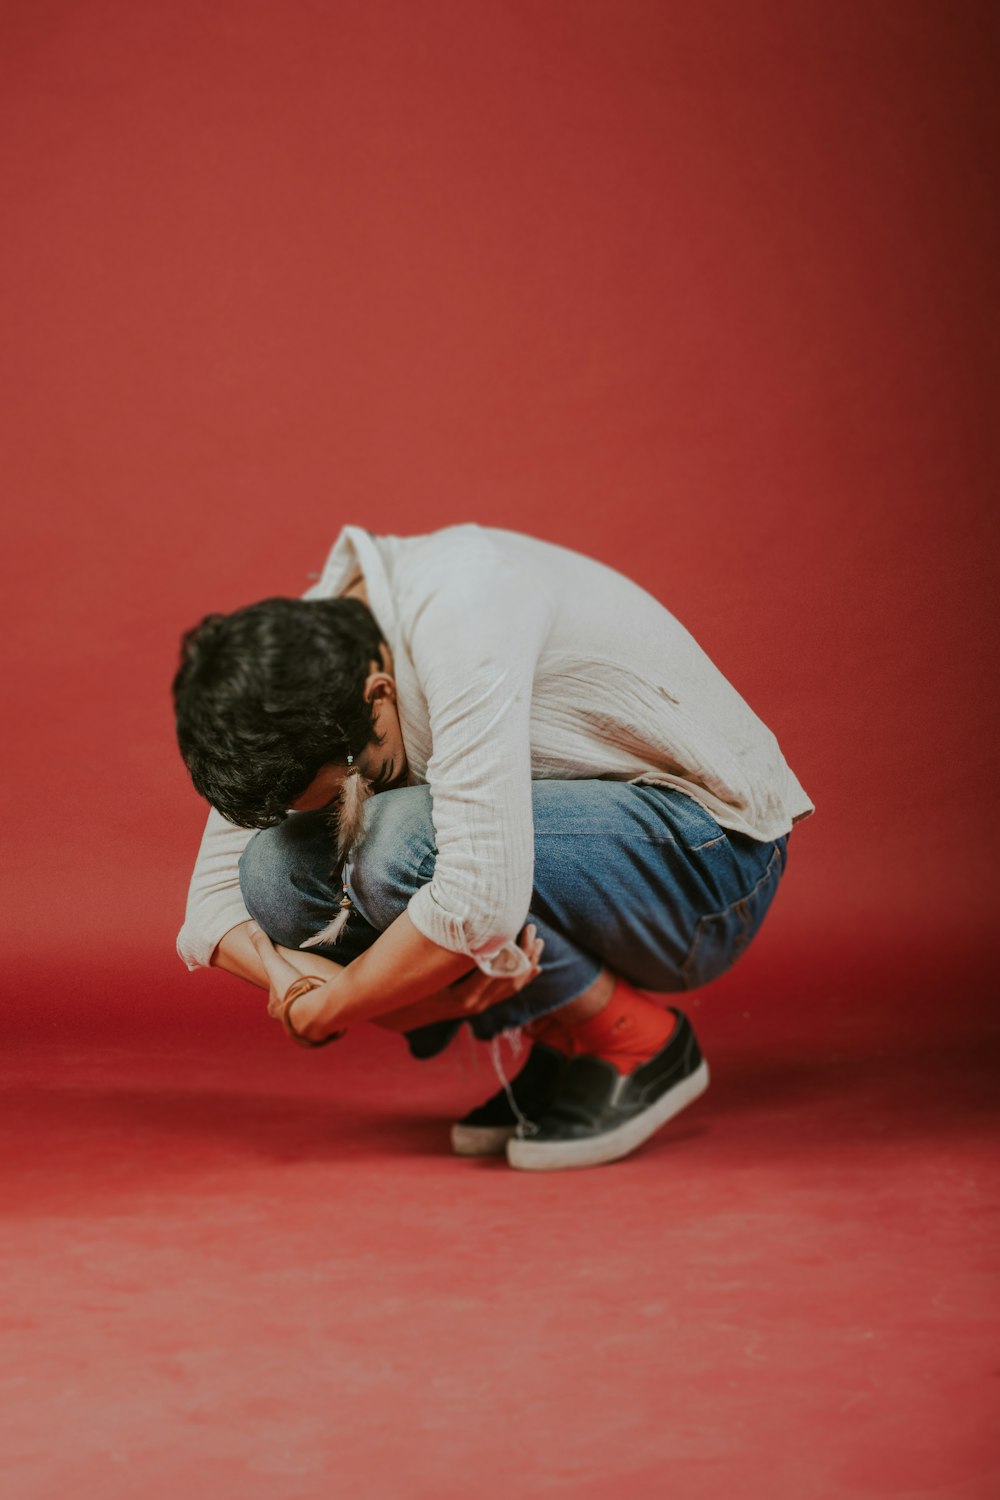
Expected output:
(476, 625)
(214, 903)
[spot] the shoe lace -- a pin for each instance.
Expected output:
(512, 1036)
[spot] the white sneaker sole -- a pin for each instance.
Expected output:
(481, 1140)
(553, 1156)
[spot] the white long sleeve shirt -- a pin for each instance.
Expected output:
(517, 660)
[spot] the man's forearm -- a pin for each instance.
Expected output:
(235, 953)
(397, 973)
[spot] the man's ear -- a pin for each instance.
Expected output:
(379, 685)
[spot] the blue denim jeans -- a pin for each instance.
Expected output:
(640, 879)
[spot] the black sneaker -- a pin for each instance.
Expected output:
(485, 1131)
(596, 1114)
(428, 1041)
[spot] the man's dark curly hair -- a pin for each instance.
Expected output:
(267, 695)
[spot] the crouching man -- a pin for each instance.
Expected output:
(492, 781)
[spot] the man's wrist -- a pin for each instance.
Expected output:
(294, 1014)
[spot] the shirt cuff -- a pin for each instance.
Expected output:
(196, 942)
(191, 949)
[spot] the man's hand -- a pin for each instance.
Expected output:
(281, 975)
(478, 991)
(465, 997)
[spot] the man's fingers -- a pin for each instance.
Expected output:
(479, 991)
(534, 951)
(278, 970)
(263, 945)
(531, 943)
(493, 991)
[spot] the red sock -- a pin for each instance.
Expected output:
(550, 1033)
(627, 1032)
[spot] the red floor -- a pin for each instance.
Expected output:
(239, 1270)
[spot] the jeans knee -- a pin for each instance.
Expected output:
(258, 873)
(284, 871)
(395, 856)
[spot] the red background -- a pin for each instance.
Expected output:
(702, 290)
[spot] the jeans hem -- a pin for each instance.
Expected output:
(534, 1015)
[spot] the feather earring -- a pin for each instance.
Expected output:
(350, 814)
(349, 826)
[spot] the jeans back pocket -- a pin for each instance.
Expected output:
(722, 937)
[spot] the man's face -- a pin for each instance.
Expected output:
(384, 765)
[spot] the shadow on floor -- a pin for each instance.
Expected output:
(113, 1134)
